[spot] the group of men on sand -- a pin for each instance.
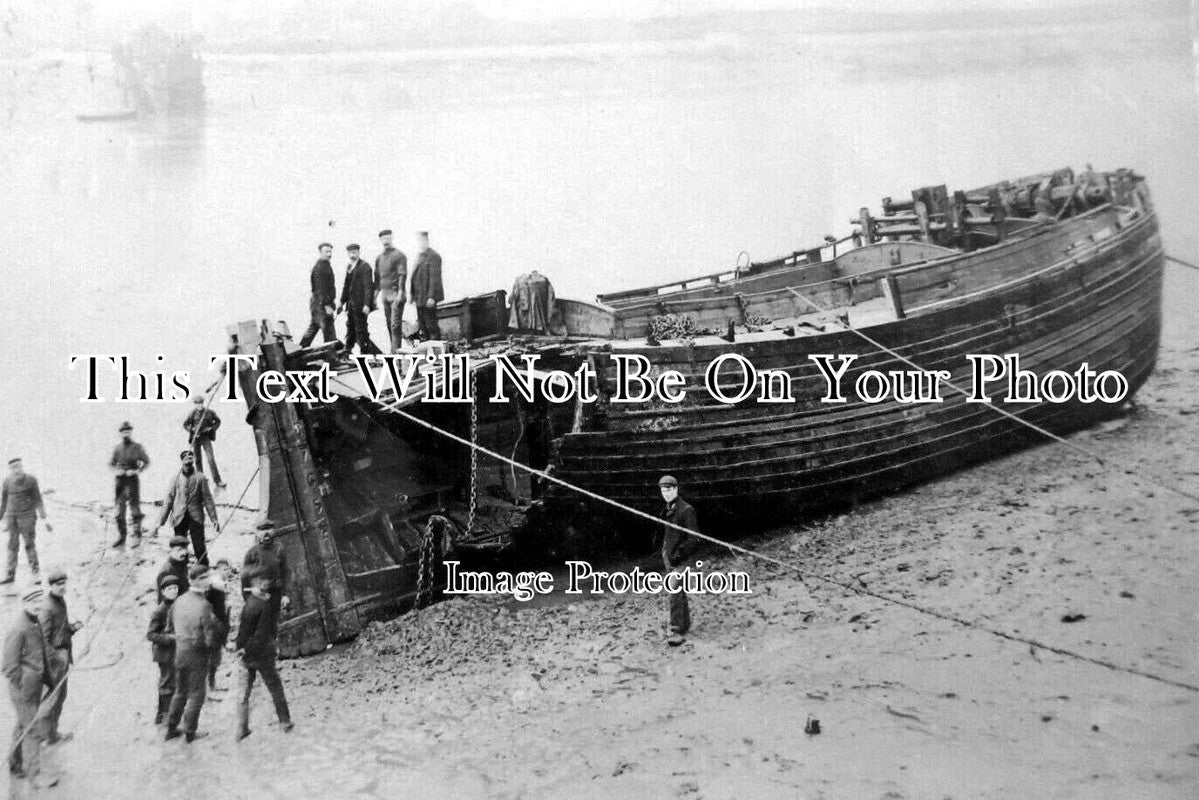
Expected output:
(364, 290)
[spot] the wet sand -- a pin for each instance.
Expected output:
(483, 697)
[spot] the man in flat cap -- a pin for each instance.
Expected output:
(677, 550)
(161, 634)
(128, 462)
(267, 558)
(323, 299)
(186, 501)
(176, 565)
(391, 276)
(257, 650)
(27, 672)
(426, 288)
(195, 635)
(201, 425)
(58, 631)
(20, 506)
(358, 298)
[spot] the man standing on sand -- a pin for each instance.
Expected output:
(186, 501)
(20, 505)
(57, 631)
(426, 289)
(162, 640)
(257, 651)
(677, 549)
(358, 298)
(201, 425)
(128, 462)
(195, 635)
(176, 565)
(324, 297)
(267, 559)
(27, 673)
(391, 276)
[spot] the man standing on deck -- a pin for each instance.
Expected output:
(677, 551)
(201, 425)
(128, 461)
(324, 297)
(27, 672)
(20, 506)
(391, 275)
(58, 631)
(195, 635)
(186, 501)
(426, 289)
(357, 298)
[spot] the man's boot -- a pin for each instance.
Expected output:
(164, 704)
(173, 732)
(120, 542)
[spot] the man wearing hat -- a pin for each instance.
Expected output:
(128, 462)
(358, 298)
(57, 631)
(391, 276)
(426, 288)
(27, 672)
(186, 501)
(677, 548)
(324, 297)
(257, 649)
(20, 505)
(267, 559)
(195, 635)
(201, 425)
(162, 640)
(176, 565)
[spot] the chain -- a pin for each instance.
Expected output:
(426, 577)
(474, 453)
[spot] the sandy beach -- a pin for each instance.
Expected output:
(567, 697)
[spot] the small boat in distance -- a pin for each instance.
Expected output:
(116, 115)
(369, 496)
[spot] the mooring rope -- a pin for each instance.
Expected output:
(801, 571)
(1182, 263)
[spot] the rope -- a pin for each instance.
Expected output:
(1144, 474)
(1182, 263)
(237, 506)
(971, 624)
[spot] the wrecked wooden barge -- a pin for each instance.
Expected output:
(1059, 268)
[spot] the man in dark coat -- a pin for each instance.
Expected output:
(677, 552)
(20, 506)
(195, 635)
(323, 299)
(220, 609)
(57, 630)
(426, 289)
(257, 651)
(28, 675)
(162, 639)
(176, 565)
(186, 501)
(201, 426)
(391, 276)
(128, 462)
(267, 559)
(358, 299)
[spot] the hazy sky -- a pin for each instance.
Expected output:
(552, 9)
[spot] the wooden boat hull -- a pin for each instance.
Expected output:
(753, 464)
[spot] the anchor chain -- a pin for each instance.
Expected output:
(426, 577)
(474, 454)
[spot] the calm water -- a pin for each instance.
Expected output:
(603, 166)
